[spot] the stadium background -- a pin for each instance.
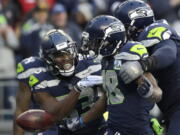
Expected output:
(23, 22)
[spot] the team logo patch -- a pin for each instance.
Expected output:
(117, 64)
(140, 12)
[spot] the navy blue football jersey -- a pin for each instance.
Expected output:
(59, 88)
(157, 32)
(127, 110)
(28, 66)
(163, 43)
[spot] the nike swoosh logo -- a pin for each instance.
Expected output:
(30, 80)
(140, 48)
(153, 33)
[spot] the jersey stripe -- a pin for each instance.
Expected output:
(44, 84)
(30, 71)
(88, 71)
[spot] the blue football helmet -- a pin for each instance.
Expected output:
(104, 35)
(59, 52)
(135, 15)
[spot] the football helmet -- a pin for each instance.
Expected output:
(59, 52)
(135, 15)
(104, 35)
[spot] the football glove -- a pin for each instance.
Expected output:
(157, 128)
(145, 88)
(129, 71)
(75, 124)
(87, 82)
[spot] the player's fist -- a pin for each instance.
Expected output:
(129, 71)
(89, 81)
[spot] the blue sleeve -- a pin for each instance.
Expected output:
(97, 67)
(21, 74)
(84, 69)
(28, 67)
(39, 82)
(164, 53)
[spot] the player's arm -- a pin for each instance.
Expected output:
(59, 109)
(23, 98)
(148, 87)
(95, 112)
(97, 109)
(163, 55)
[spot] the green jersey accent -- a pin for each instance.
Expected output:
(139, 49)
(33, 80)
(156, 32)
(157, 128)
(20, 68)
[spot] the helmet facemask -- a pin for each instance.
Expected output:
(113, 39)
(140, 18)
(62, 61)
(104, 35)
(90, 46)
(60, 52)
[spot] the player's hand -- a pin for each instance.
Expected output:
(75, 124)
(145, 88)
(129, 71)
(157, 128)
(87, 82)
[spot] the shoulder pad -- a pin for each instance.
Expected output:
(155, 33)
(42, 80)
(28, 66)
(86, 67)
(132, 51)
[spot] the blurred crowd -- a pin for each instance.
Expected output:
(23, 23)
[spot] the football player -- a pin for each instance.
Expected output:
(128, 105)
(163, 44)
(64, 89)
(24, 69)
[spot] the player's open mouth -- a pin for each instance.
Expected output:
(67, 66)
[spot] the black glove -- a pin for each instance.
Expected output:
(148, 64)
(145, 89)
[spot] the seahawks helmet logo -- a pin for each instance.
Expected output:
(140, 13)
(113, 28)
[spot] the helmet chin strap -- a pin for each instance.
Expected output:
(68, 72)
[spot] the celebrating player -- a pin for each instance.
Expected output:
(127, 105)
(163, 44)
(63, 90)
